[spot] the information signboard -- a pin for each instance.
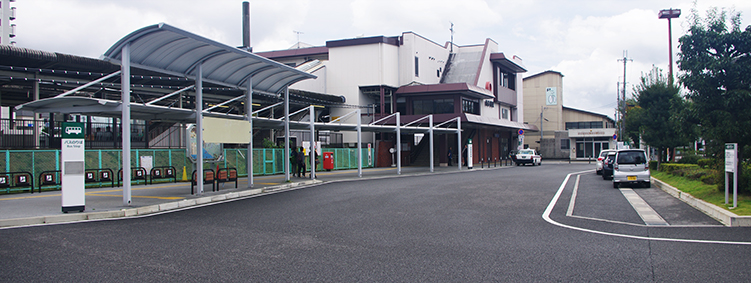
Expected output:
(73, 165)
(731, 159)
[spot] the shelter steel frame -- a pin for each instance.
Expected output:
(274, 78)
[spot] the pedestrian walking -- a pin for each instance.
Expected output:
(301, 162)
(449, 155)
(293, 157)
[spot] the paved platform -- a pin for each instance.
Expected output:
(23, 209)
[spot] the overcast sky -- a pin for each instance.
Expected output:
(581, 39)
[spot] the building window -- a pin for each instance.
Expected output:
(584, 125)
(401, 105)
(437, 106)
(417, 67)
(506, 79)
(470, 106)
(504, 113)
(565, 144)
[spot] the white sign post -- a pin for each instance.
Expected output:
(731, 159)
(73, 159)
(469, 154)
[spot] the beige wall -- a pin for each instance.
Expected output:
(534, 99)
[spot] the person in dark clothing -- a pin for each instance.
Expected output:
(449, 156)
(293, 162)
(301, 162)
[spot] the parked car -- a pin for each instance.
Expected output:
(527, 156)
(603, 154)
(631, 167)
(607, 166)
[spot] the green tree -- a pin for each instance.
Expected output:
(633, 120)
(715, 59)
(656, 117)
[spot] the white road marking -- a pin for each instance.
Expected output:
(646, 212)
(549, 209)
(573, 197)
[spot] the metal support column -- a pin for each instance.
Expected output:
(398, 144)
(286, 134)
(430, 118)
(199, 128)
(359, 143)
(312, 144)
(125, 121)
(249, 113)
(459, 142)
(36, 115)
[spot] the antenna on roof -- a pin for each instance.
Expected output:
(298, 37)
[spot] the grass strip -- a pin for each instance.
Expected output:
(708, 193)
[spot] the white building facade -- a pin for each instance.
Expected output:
(416, 77)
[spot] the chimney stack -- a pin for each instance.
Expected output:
(246, 27)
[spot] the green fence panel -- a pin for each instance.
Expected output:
(266, 161)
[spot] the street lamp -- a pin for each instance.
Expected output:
(670, 14)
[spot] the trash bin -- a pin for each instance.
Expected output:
(328, 161)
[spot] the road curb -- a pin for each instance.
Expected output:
(727, 218)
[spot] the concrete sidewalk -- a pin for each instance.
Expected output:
(24, 209)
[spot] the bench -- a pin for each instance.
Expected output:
(208, 178)
(225, 175)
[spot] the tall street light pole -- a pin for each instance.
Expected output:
(670, 14)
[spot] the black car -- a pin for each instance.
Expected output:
(607, 166)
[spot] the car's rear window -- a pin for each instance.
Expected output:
(527, 151)
(631, 157)
(604, 153)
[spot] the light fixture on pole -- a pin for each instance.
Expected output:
(670, 14)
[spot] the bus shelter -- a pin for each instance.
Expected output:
(171, 51)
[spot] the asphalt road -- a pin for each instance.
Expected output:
(509, 224)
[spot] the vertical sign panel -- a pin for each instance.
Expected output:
(73, 165)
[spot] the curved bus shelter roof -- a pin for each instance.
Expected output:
(167, 49)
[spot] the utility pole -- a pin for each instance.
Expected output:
(622, 128)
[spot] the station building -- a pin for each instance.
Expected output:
(566, 132)
(414, 76)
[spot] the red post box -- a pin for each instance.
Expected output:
(328, 160)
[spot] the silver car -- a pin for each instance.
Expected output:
(631, 167)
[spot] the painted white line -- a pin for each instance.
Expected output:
(571, 203)
(646, 212)
(549, 209)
